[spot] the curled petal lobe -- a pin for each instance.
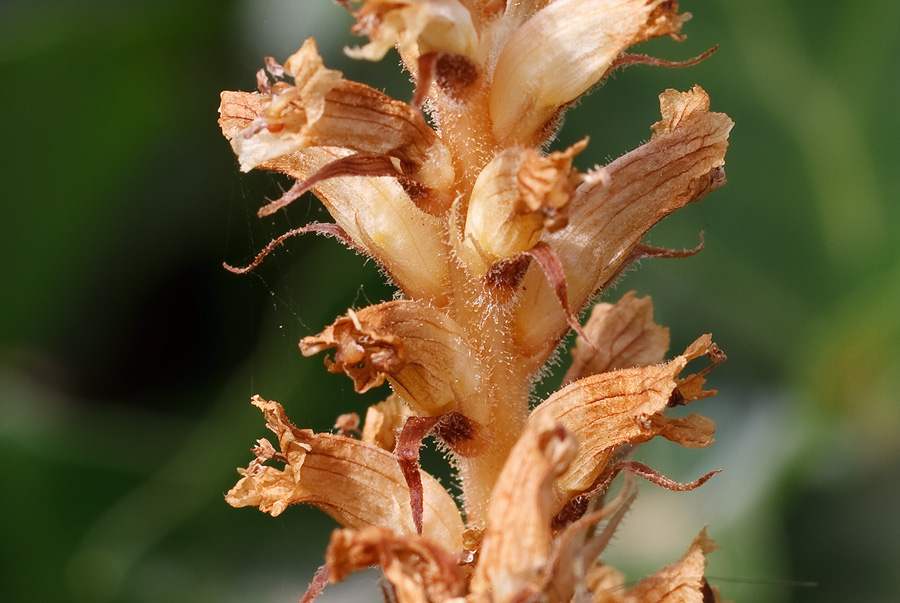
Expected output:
(681, 582)
(384, 421)
(358, 484)
(419, 570)
(421, 351)
(416, 27)
(322, 109)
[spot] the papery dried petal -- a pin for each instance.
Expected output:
(607, 410)
(518, 536)
(623, 336)
(322, 109)
(420, 350)
(563, 50)
(607, 584)
(358, 484)
(692, 431)
(416, 27)
(376, 213)
(515, 198)
(682, 162)
(419, 570)
(384, 421)
(681, 582)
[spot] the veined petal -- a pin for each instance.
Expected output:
(516, 197)
(518, 537)
(416, 27)
(358, 484)
(610, 409)
(322, 109)
(376, 213)
(622, 335)
(561, 52)
(422, 352)
(681, 163)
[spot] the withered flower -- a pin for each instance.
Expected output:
(496, 245)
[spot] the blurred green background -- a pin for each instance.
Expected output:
(128, 355)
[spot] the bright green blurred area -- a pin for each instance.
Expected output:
(128, 355)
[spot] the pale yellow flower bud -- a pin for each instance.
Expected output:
(518, 196)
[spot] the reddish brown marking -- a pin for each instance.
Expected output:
(326, 229)
(407, 452)
(354, 165)
(625, 59)
(549, 262)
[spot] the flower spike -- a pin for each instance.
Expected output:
(497, 242)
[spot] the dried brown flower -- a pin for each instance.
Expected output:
(496, 245)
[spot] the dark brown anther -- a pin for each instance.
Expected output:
(453, 73)
(458, 432)
(507, 274)
(706, 590)
(676, 399)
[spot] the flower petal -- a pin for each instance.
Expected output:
(376, 213)
(416, 27)
(518, 536)
(682, 162)
(681, 582)
(384, 421)
(623, 336)
(610, 409)
(418, 569)
(422, 352)
(358, 484)
(322, 109)
(561, 52)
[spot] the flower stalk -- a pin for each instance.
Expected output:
(496, 245)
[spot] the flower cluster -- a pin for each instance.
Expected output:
(496, 246)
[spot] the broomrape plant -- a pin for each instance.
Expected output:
(496, 246)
